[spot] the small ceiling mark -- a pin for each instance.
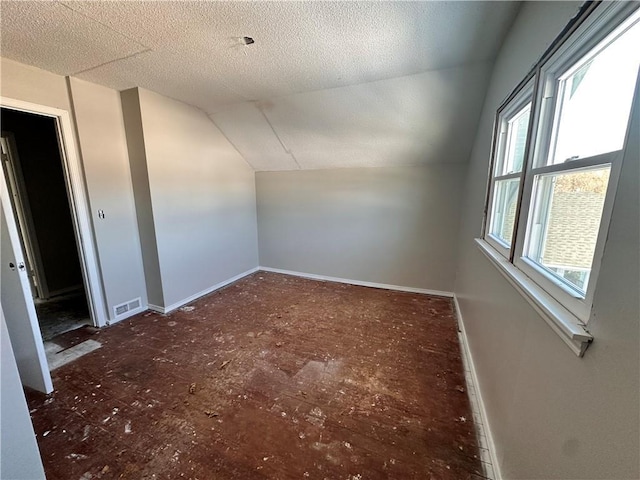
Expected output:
(248, 40)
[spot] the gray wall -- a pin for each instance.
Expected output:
(552, 414)
(34, 85)
(142, 194)
(202, 198)
(394, 226)
(101, 136)
(19, 455)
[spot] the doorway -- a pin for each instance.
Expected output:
(19, 285)
(33, 169)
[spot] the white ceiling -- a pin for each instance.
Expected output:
(191, 51)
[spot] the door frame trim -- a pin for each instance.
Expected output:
(79, 203)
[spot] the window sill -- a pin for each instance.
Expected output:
(572, 331)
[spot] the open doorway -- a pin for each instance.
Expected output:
(33, 168)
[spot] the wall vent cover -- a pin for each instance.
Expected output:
(123, 308)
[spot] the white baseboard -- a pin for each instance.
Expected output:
(170, 308)
(195, 296)
(479, 406)
(361, 283)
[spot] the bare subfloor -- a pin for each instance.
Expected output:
(272, 377)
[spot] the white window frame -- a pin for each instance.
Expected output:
(505, 114)
(564, 308)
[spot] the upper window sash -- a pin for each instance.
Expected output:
(598, 32)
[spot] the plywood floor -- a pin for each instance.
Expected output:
(273, 377)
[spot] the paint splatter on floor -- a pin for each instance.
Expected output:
(272, 377)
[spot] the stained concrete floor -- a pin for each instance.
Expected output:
(273, 377)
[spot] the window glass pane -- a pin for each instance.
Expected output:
(503, 213)
(594, 99)
(566, 222)
(516, 141)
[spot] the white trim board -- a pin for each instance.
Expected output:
(360, 283)
(479, 404)
(195, 296)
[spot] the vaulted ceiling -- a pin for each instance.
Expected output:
(326, 84)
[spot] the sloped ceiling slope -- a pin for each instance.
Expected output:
(428, 117)
(325, 84)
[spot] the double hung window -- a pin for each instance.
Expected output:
(558, 146)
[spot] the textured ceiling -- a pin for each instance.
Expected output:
(192, 51)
